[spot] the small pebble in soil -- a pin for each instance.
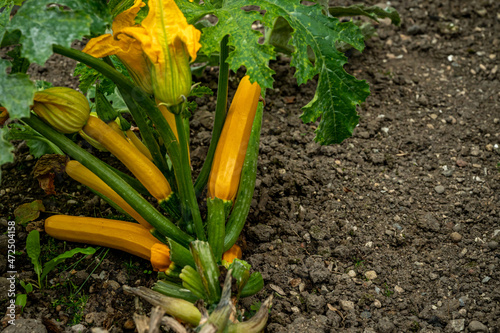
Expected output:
(371, 275)
(476, 326)
(415, 30)
(366, 314)
(492, 245)
(457, 325)
(78, 328)
(448, 173)
(347, 305)
(439, 189)
(377, 304)
(486, 279)
(455, 237)
(385, 325)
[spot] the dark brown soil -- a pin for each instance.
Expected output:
(395, 230)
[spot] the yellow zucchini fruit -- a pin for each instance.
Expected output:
(138, 144)
(81, 174)
(140, 166)
(232, 146)
(233, 253)
(125, 236)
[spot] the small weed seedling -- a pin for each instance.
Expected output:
(387, 290)
(22, 299)
(33, 250)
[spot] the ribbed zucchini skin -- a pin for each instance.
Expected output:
(232, 146)
(83, 175)
(125, 236)
(142, 168)
(236, 220)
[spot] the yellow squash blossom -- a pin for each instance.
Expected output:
(158, 51)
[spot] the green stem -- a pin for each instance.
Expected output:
(190, 209)
(143, 207)
(216, 221)
(137, 185)
(207, 268)
(220, 117)
(52, 146)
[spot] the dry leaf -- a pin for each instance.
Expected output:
(29, 211)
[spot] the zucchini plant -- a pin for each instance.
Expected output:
(139, 60)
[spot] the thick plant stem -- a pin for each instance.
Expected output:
(220, 116)
(137, 202)
(190, 209)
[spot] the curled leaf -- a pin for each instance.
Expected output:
(46, 169)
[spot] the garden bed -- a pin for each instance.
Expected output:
(394, 230)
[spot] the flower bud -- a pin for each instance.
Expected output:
(160, 257)
(65, 109)
(171, 79)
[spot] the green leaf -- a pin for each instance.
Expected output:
(43, 24)
(21, 300)
(237, 24)
(42, 85)
(16, 92)
(197, 91)
(118, 6)
(6, 149)
(33, 250)
(28, 287)
(200, 91)
(49, 266)
(311, 37)
(337, 93)
(88, 76)
(98, 11)
(38, 144)
(5, 15)
(373, 12)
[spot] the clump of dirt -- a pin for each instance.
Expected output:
(395, 230)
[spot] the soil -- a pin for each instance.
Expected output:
(394, 230)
